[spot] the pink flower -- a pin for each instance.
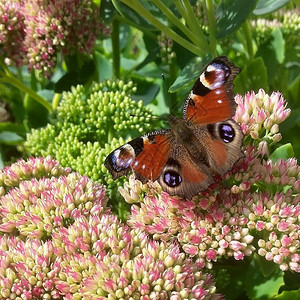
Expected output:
(34, 32)
(252, 196)
(37, 206)
(12, 32)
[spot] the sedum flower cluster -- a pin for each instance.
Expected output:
(82, 131)
(12, 28)
(58, 240)
(253, 209)
(286, 20)
(34, 32)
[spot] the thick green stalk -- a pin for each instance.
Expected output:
(211, 27)
(9, 78)
(115, 37)
(248, 38)
(193, 35)
(135, 5)
(172, 96)
(188, 14)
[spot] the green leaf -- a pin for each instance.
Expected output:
(130, 15)
(146, 90)
(231, 277)
(72, 78)
(291, 280)
(285, 151)
(292, 121)
(294, 89)
(231, 15)
(289, 295)
(37, 114)
(272, 52)
(189, 73)
(267, 6)
(262, 287)
(2, 161)
(107, 11)
(278, 44)
(10, 138)
(104, 66)
(252, 77)
(266, 267)
(13, 127)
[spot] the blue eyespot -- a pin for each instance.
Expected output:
(172, 178)
(227, 133)
(118, 162)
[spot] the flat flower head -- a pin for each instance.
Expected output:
(259, 114)
(56, 26)
(38, 207)
(12, 32)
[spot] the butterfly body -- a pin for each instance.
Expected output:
(204, 142)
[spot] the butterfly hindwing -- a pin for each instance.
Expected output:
(223, 145)
(181, 176)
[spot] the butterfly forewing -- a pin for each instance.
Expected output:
(211, 98)
(146, 156)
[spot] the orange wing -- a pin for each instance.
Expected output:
(211, 98)
(145, 156)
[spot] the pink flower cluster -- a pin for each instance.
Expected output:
(58, 240)
(260, 115)
(40, 29)
(258, 200)
(37, 207)
(33, 168)
(12, 32)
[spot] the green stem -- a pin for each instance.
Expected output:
(187, 12)
(248, 38)
(193, 35)
(211, 27)
(241, 39)
(135, 5)
(9, 78)
(127, 21)
(115, 37)
(172, 96)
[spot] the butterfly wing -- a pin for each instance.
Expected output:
(181, 176)
(211, 98)
(145, 156)
(204, 142)
(222, 143)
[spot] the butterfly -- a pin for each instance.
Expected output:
(206, 141)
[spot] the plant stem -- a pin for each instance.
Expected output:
(115, 37)
(8, 77)
(193, 34)
(135, 5)
(193, 23)
(248, 38)
(172, 96)
(211, 27)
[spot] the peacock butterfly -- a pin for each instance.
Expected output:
(205, 141)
